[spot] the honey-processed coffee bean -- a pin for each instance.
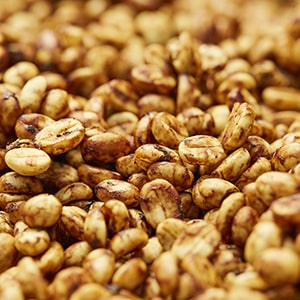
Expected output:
(281, 97)
(274, 184)
(95, 230)
(27, 270)
(55, 104)
(116, 215)
(100, 265)
(105, 147)
(201, 150)
(9, 254)
(159, 201)
(28, 161)
(285, 261)
(32, 93)
(67, 280)
(10, 111)
(74, 192)
(147, 154)
(72, 219)
(32, 241)
(197, 237)
(209, 193)
(12, 182)
(76, 253)
(127, 241)
(168, 130)
(119, 190)
(167, 278)
(131, 274)
(51, 260)
(286, 209)
(175, 173)
(60, 136)
(20, 72)
(238, 127)
(42, 210)
(28, 125)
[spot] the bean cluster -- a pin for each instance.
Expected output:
(149, 150)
